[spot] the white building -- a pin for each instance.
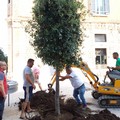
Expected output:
(102, 35)
(3, 26)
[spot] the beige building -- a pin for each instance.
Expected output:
(19, 11)
(102, 34)
(3, 26)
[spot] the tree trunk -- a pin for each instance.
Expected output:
(57, 103)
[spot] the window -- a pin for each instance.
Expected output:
(100, 37)
(8, 1)
(100, 7)
(101, 57)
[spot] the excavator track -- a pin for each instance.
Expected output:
(109, 101)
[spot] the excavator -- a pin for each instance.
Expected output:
(108, 95)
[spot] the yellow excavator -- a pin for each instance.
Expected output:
(108, 95)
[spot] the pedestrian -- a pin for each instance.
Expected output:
(36, 74)
(3, 87)
(28, 87)
(78, 85)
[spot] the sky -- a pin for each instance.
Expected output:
(3, 26)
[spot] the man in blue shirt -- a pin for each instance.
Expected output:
(28, 87)
(3, 87)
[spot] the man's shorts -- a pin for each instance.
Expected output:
(28, 92)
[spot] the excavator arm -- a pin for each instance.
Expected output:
(52, 81)
(93, 79)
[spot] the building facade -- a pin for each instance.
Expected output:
(19, 48)
(3, 26)
(102, 34)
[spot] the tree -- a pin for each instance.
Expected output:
(3, 57)
(57, 34)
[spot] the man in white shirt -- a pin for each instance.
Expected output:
(78, 85)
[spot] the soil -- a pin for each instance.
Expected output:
(44, 103)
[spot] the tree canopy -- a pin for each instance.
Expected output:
(56, 31)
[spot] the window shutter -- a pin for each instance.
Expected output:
(107, 8)
(93, 6)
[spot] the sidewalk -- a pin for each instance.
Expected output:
(12, 112)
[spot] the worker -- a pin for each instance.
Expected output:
(3, 87)
(114, 72)
(28, 87)
(78, 85)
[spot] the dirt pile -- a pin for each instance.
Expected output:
(103, 115)
(44, 103)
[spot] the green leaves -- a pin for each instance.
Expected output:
(2, 56)
(56, 32)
